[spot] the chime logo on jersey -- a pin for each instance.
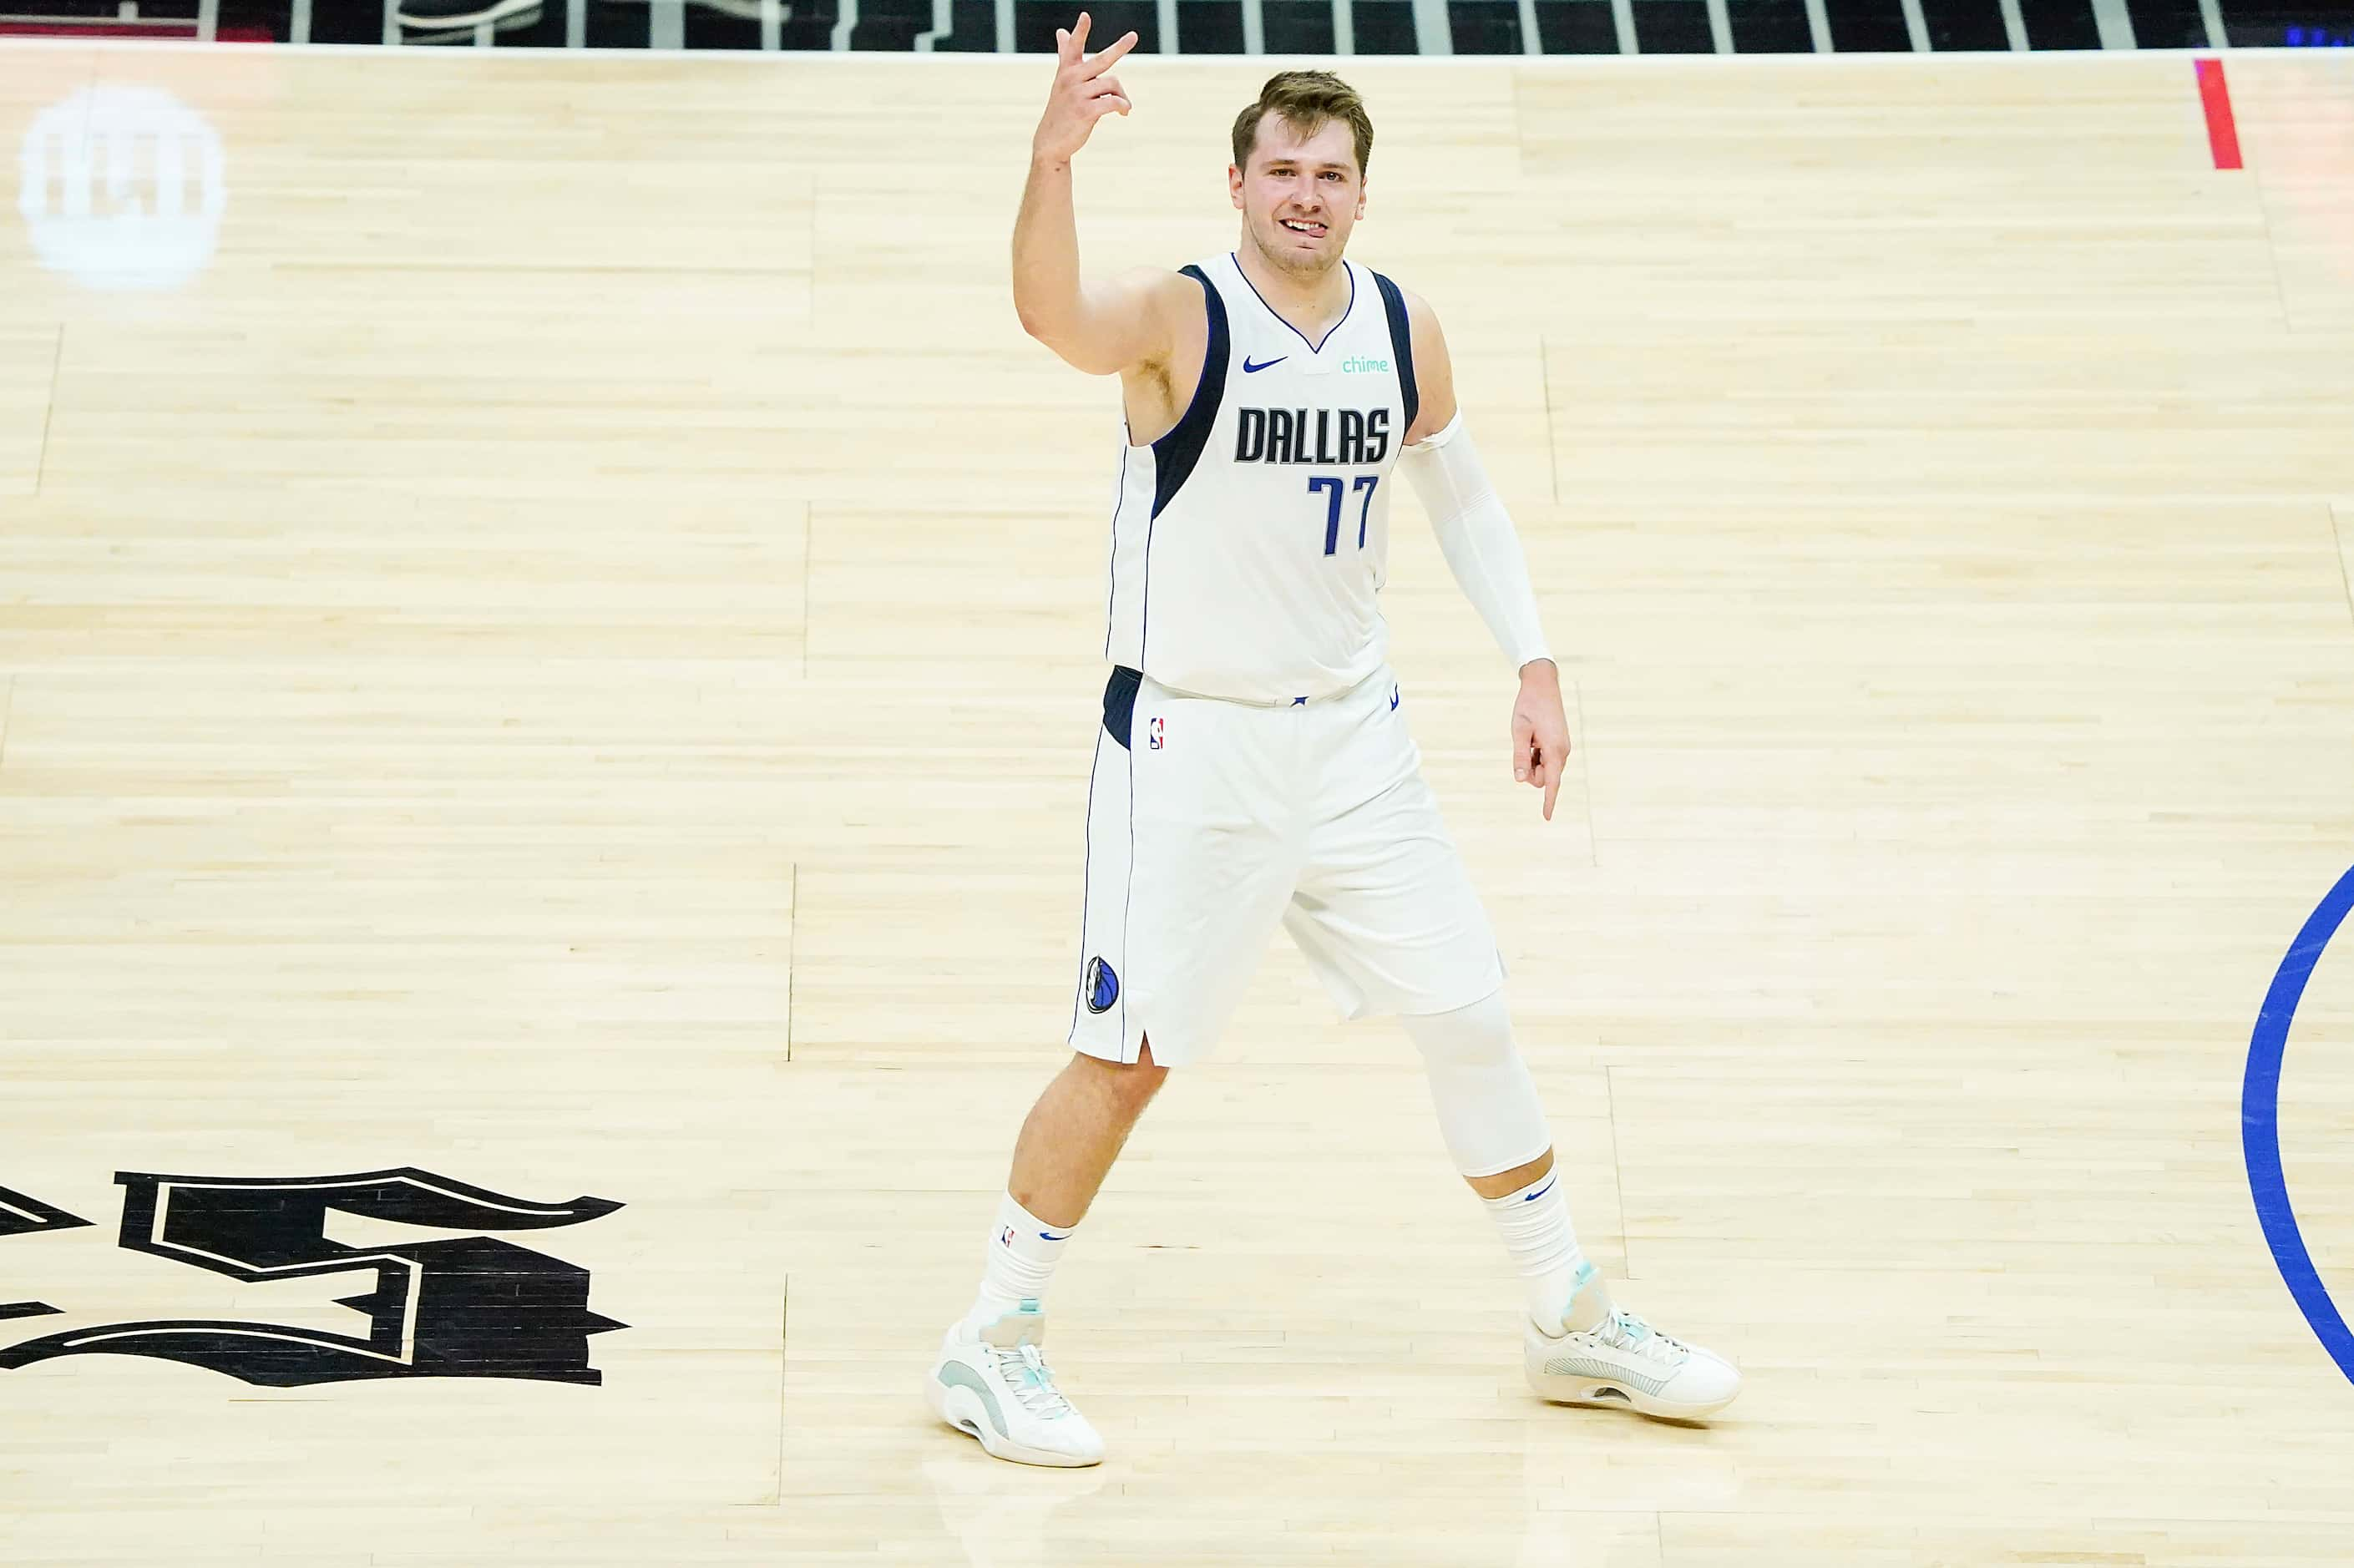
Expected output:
(1152, 736)
(1335, 437)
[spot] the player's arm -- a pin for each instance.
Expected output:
(1106, 326)
(1483, 551)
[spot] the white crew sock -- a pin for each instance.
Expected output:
(1534, 1223)
(1023, 1252)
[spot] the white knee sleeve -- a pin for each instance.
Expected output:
(1487, 1108)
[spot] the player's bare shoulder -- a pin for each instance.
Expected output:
(1434, 370)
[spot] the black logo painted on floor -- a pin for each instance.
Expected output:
(468, 1307)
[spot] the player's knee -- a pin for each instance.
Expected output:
(1130, 1085)
(1479, 1036)
(1488, 1107)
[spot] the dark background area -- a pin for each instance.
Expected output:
(1215, 27)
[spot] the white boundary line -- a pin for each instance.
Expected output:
(2014, 27)
(1432, 34)
(2115, 22)
(1916, 27)
(1819, 28)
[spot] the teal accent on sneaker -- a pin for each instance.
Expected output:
(1586, 1274)
(1029, 1304)
(955, 1374)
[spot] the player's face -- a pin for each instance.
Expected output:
(1302, 194)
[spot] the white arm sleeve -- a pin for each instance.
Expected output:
(1476, 537)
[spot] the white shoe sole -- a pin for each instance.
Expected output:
(1602, 1391)
(961, 1408)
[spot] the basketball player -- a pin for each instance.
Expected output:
(1253, 766)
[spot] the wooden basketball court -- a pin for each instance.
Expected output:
(549, 623)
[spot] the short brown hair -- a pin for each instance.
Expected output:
(1306, 100)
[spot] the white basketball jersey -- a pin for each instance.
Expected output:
(1249, 544)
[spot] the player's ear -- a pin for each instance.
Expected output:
(1234, 186)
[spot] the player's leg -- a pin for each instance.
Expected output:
(990, 1379)
(1185, 881)
(1073, 1133)
(1495, 1130)
(1387, 916)
(1077, 1129)
(1580, 1347)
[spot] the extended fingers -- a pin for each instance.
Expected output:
(1109, 58)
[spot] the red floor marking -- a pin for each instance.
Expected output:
(2223, 132)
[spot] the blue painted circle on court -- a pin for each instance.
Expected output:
(2260, 1125)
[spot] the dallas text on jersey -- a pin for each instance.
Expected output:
(1340, 435)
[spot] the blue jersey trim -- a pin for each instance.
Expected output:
(1086, 866)
(1175, 454)
(1120, 703)
(1402, 346)
(1111, 591)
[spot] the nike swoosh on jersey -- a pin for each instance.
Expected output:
(1250, 369)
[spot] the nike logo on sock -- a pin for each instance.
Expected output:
(1533, 1197)
(1049, 1235)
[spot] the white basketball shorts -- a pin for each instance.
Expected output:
(1209, 822)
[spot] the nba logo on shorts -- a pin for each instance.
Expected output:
(1153, 743)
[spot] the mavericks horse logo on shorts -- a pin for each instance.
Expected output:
(1103, 986)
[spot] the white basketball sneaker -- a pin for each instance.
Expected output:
(994, 1384)
(1623, 1361)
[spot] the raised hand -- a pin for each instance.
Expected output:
(1085, 91)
